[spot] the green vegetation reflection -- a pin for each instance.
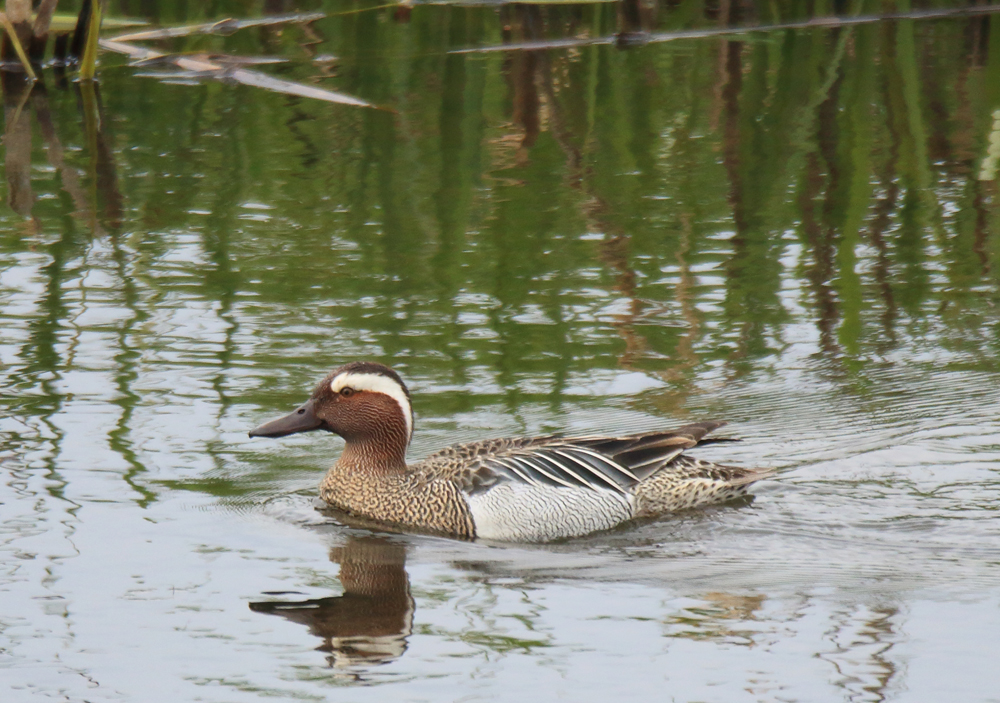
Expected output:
(532, 217)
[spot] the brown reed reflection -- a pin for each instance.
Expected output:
(95, 194)
(17, 143)
(370, 622)
(718, 617)
(521, 71)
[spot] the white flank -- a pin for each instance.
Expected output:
(376, 383)
(518, 512)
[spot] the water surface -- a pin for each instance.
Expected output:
(795, 231)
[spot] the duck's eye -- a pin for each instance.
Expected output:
(346, 392)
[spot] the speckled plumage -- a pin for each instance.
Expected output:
(407, 498)
(526, 489)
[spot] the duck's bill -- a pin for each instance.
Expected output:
(301, 420)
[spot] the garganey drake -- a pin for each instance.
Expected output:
(518, 489)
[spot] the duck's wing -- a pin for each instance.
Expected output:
(645, 454)
(602, 463)
(555, 465)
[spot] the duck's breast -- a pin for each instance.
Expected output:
(515, 512)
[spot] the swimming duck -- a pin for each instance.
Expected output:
(518, 489)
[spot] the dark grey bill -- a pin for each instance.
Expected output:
(302, 420)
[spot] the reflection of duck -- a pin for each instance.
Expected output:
(517, 489)
(370, 622)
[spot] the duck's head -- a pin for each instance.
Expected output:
(362, 401)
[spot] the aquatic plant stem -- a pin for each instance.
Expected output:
(16, 43)
(88, 62)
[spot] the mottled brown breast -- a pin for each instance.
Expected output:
(412, 499)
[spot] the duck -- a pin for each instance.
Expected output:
(511, 489)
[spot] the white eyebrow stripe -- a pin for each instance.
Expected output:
(377, 383)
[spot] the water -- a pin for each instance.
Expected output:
(794, 231)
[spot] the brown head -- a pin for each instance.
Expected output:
(364, 402)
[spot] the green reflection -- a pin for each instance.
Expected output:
(512, 227)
